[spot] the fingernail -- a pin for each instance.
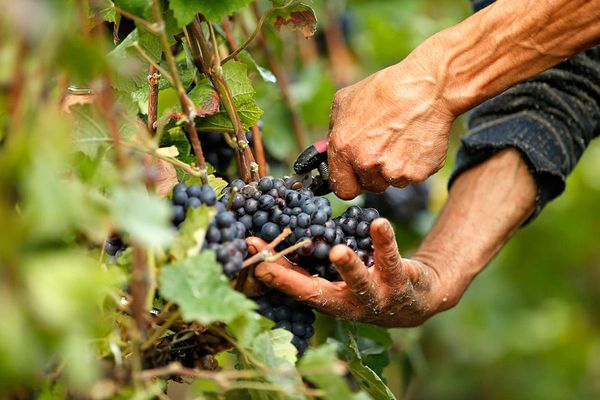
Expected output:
(252, 249)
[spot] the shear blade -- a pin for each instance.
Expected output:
(299, 181)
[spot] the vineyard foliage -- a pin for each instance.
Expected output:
(106, 108)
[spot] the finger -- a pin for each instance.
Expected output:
(373, 181)
(342, 179)
(354, 272)
(388, 261)
(256, 245)
(316, 292)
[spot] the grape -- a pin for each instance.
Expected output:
(260, 218)
(114, 246)
(194, 191)
(179, 197)
(225, 219)
(289, 315)
(193, 202)
(269, 231)
(401, 204)
(265, 184)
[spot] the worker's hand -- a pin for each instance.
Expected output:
(389, 129)
(394, 292)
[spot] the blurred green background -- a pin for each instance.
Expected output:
(529, 325)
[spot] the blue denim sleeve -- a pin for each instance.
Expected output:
(550, 118)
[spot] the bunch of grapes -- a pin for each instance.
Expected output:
(288, 314)
(114, 246)
(217, 151)
(401, 204)
(225, 235)
(264, 209)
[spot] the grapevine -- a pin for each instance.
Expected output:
(153, 165)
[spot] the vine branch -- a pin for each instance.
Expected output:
(185, 102)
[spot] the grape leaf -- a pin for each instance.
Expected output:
(202, 292)
(141, 8)
(144, 216)
(176, 137)
(191, 234)
(132, 69)
(297, 16)
(264, 73)
(321, 366)
(274, 349)
(186, 10)
(242, 92)
(205, 99)
(366, 378)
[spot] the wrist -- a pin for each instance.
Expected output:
(448, 277)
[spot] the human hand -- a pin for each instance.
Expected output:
(394, 292)
(391, 128)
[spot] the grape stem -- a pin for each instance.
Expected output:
(211, 67)
(153, 78)
(243, 276)
(250, 38)
(186, 104)
(259, 150)
(266, 254)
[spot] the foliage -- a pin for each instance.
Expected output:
(527, 328)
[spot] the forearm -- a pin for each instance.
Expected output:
(506, 43)
(485, 207)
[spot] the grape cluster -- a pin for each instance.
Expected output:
(290, 315)
(114, 246)
(217, 151)
(401, 204)
(225, 235)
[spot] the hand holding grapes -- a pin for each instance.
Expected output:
(394, 292)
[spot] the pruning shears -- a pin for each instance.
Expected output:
(313, 157)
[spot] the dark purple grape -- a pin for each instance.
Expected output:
(225, 219)
(194, 191)
(260, 218)
(193, 202)
(269, 231)
(362, 229)
(265, 184)
(179, 197)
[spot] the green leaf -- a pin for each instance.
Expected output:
(191, 234)
(243, 94)
(186, 10)
(202, 292)
(274, 349)
(205, 99)
(366, 378)
(264, 73)
(131, 69)
(297, 16)
(321, 366)
(218, 184)
(91, 134)
(144, 216)
(277, 341)
(141, 8)
(176, 137)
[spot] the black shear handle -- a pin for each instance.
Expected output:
(315, 157)
(312, 157)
